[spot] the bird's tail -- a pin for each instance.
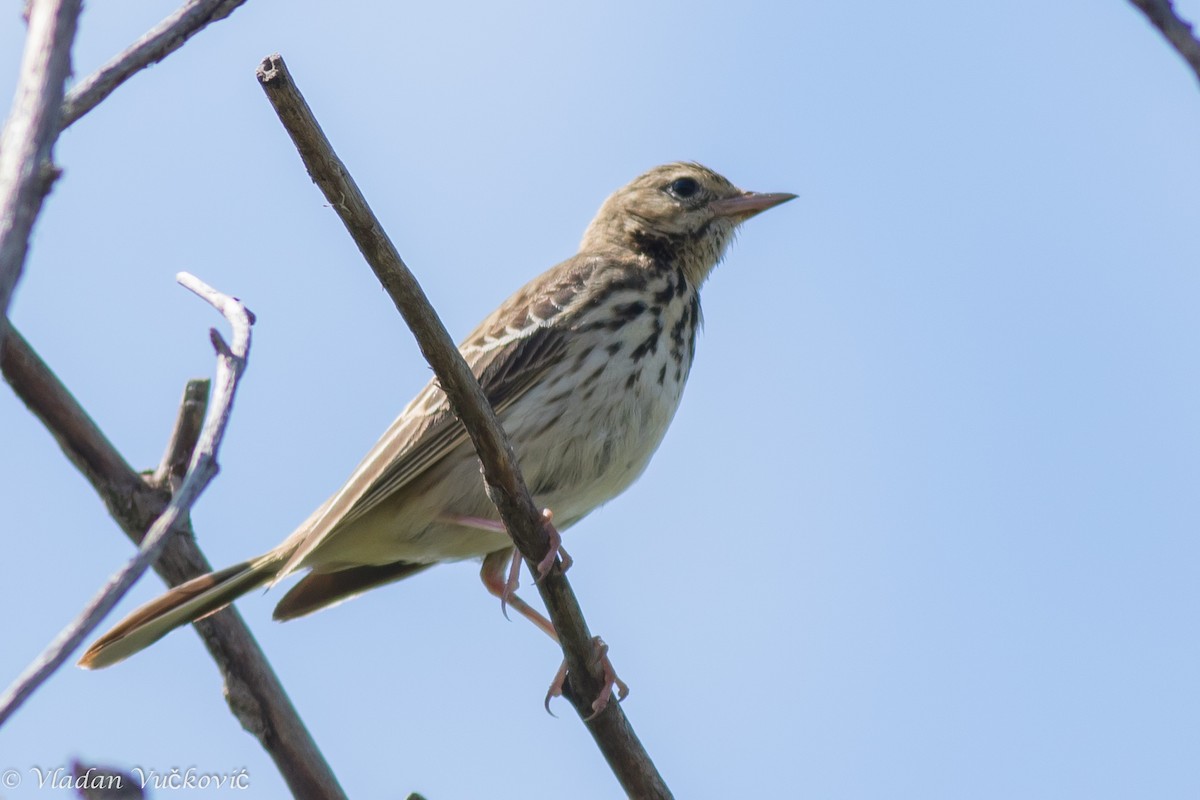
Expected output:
(185, 603)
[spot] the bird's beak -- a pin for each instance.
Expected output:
(747, 204)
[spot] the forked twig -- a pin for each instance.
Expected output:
(252, 689)
(156, 44)
(29, 134)
(231, 361)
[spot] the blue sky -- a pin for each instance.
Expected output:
(925, 525)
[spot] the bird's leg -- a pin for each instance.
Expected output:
(556, 548)
(492, 569)
(478, 523)
(608, 681)
(512, 582)
(495, 526)
(499, 575)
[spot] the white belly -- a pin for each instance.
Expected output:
(582, 435)
(609, 428)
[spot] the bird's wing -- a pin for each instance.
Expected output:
(504, 373)
(509, 352)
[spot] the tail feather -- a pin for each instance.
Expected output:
(319, 590)
(185, 603)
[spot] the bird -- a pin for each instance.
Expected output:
(585, 367)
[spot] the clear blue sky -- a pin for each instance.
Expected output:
(926, 523)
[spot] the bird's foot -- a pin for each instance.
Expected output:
(543, 567)
(502, 583)
(512, 582)
(556, 548)
(609, 681)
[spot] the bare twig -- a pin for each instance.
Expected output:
(28, 139)
(254, 692)
(40, 112)
(83, 443)
(156, 44)
(1178, 33)
(230, 364)
(173, 467)
(610, 728)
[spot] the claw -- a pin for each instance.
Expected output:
(511, 584)
(499, 574)
(556, 548)
(609, 681)
(556, 687)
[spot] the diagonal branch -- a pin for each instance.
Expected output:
(29, 134)
(85, 446)
(231, 361)
(1178, 33)
(40, 112)
(506, 487)
(252, 689)
(156, 44)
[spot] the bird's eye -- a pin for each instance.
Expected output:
(683, 188)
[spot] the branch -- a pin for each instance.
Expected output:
(203, 468)
(85, 446)
(173, 467)
(29, 134)
(40, 113)
(254, 692)
(156, 44)
(506, 487)
(1178, 33)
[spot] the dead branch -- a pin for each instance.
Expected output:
(173, 467)
(231, 361)
(252, 689)
(1178, 33)
(506, 487)
(29, 134)
(39, 113)
(156, 44)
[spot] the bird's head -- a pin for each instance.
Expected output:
(681, 214)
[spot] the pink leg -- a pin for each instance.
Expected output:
(610, 680)
(543, 567)
(478, 523)
(556, 548)
(507, 591)
(546, 563)
(494, 577)
(500, 584)
(513, 581)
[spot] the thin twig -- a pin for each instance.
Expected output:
(188, 424)
(202, 470)
(610, 728)
(1178, 33)
(253, 691)
(27, 143)
(156, 44)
